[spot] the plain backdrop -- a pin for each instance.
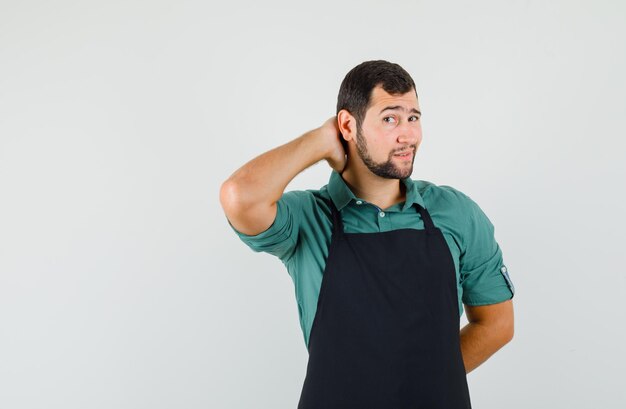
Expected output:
(121, 283)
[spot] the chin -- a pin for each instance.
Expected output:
(405, 172)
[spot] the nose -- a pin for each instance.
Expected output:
(410, 133)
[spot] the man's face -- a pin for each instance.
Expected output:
(392, 132)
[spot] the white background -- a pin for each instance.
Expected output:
(121, 284)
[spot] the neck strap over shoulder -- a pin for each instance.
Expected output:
(338, 223)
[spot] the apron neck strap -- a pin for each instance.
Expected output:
(428, 222)
(338, 224)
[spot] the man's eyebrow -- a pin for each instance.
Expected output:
(395, 107)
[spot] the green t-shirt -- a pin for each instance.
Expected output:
(301, 233)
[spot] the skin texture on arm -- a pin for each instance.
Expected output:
(249, 195)
(490, 327)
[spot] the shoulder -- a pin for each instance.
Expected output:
(306, 199)
(454, 211)
(443, 198)
(305, 207)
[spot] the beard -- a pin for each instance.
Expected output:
(387, 169)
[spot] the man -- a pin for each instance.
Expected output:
(381, 263)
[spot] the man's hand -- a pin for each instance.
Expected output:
(336, 156)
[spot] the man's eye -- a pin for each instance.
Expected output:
(417, 118)
(388, 117)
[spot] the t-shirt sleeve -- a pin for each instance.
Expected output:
(281, 237)
(484, 276)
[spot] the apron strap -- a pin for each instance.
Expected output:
(428, 222)
(338, 224)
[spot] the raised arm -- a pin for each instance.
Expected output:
(249, 195)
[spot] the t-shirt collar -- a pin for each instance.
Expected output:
(341, 194)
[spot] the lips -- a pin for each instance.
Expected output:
(404, 153)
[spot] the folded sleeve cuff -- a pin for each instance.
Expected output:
(279, 238)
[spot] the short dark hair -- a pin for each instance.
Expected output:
(356, 87)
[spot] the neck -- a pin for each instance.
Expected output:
(372, 188)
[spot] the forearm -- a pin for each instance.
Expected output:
(264, 178)
(481, 340)
(249, 196)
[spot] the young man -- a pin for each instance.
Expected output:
(381, 263)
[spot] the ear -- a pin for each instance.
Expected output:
(347, 125)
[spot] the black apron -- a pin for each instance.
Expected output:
(386, 331)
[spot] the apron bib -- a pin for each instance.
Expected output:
(386, 331)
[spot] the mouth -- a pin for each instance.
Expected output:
(404, 155)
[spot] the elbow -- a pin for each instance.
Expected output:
(230, 197)
(245, 213)
(227, 194)
(507, 330)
